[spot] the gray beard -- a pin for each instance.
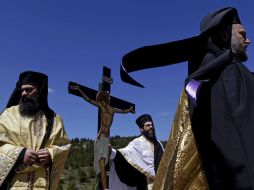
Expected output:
(238, 50)
(29, 106)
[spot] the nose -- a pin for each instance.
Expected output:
(150, 126)
(24, 93)
(247, 41)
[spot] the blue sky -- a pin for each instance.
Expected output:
(73, 40)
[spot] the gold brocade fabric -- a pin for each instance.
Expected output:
(180, 167)
(8, 157)
(16, 133)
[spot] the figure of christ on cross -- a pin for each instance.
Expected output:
(101, 149)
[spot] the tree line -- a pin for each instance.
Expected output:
(78, 173)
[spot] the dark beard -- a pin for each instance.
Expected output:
(29, 106)
(150, 135)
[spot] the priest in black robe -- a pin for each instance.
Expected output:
(134, 166)
(220, 90)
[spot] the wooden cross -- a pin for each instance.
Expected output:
(108, 105)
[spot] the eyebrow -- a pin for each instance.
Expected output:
(27, 89)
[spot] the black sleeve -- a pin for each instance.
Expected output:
(128, 174)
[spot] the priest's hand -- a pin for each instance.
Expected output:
(43, 156)
(30, 156)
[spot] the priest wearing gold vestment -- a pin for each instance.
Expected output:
(211, 141)
(33, 142)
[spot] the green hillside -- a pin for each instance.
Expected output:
(79, 173)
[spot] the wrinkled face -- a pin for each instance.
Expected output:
(239, 42)
(148, 130)
(29, 103)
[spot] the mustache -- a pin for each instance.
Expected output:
(28, 99)
(34, 98)
(245, 47)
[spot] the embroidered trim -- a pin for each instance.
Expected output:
(7, 162)
(37, 125)
(30, 180)
(147, 174)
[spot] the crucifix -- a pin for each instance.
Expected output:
(108, 106)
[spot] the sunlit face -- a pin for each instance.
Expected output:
(148, 130)
(28, 90)
(239, 42)
(29, 102)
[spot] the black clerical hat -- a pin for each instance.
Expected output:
(141, 120)
(33, 78)
(190, 49)
(221, 17)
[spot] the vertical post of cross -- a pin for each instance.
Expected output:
(104, 85)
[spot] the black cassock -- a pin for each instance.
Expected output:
(128, 174)
(223, 121)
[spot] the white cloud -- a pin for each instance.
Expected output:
(163, 114)
(51, 90)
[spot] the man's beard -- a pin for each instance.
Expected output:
(150, 135)
(29, 106)
(238, 50)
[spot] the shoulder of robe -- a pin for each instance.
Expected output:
(10, 112)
